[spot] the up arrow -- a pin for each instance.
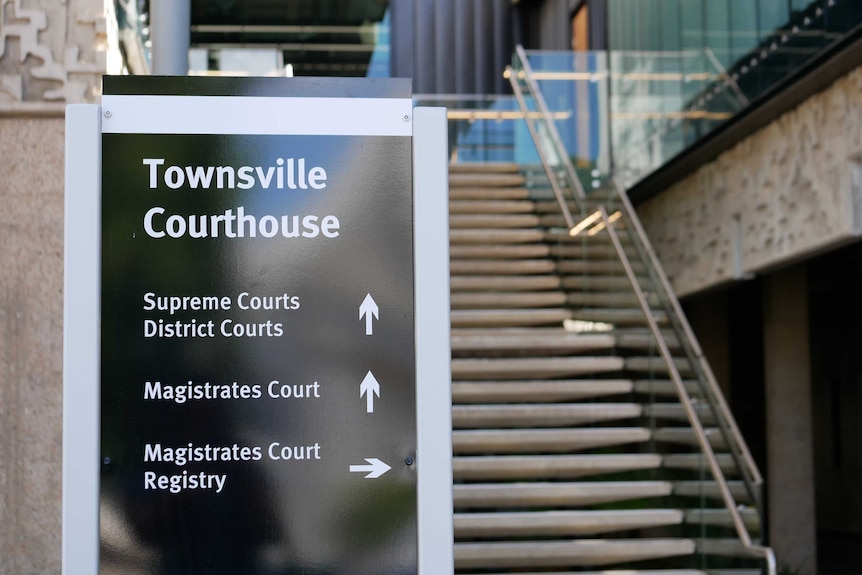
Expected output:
(369, 310)
(369, 388)
(375, 469)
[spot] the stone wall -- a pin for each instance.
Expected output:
(55, 51)
(787, 191)
(52, 52)
(31, 343)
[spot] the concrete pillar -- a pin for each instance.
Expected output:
(170, 25)
(789, 433)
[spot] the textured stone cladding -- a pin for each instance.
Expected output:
(789, 190)
(53, 51)
(31, 344)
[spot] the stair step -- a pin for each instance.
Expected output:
(603, 195)
(512, 495)
(544, 440)
(722, 518)
(656, 364)
(491, 207)
(585, 249)
(504, 267)
(596, 282)
(727, 547)
(595, 267)
(561, 236)
(495, 236)
(686, 436)
(607, 299)
(486, 180)
(520, 339)
(506, 221)
(504, 252)
(710, 489)
(546, 203)
(483, 193)
(665, 387)
(639, 339)
(509, 467)
(509, 317)
(676, 412)
(512, 283)
(540, 414)
(483, 167)
(553, 220)
(496, 300)
(567, 523)
(528, 391)
(538, 367)
(574, 553)
(618, 316)
(697, 462)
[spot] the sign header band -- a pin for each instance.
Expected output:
(230, 115)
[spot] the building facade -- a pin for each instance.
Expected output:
(749, 183)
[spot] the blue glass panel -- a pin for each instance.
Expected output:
(716, 27)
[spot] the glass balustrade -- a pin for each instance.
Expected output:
(483, 128)
(677, 71)
(599, 241)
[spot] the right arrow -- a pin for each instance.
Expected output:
(369, 310)
(375, 469)
(369, 388)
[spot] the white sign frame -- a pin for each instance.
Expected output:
(81, 338)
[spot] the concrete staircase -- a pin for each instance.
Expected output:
(571, 453)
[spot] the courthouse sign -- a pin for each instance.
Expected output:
(258, 299)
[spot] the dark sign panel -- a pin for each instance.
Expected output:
(257, 358)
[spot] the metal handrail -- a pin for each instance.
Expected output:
(714, 388)
(654, 264)
(685, 399)
(759, 551)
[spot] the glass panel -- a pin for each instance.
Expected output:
(680, 68)
(743, 29)
(716, 25)
(671, 380)
(575, 89)
(773, 15)
(481, 128)
(671, 33)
